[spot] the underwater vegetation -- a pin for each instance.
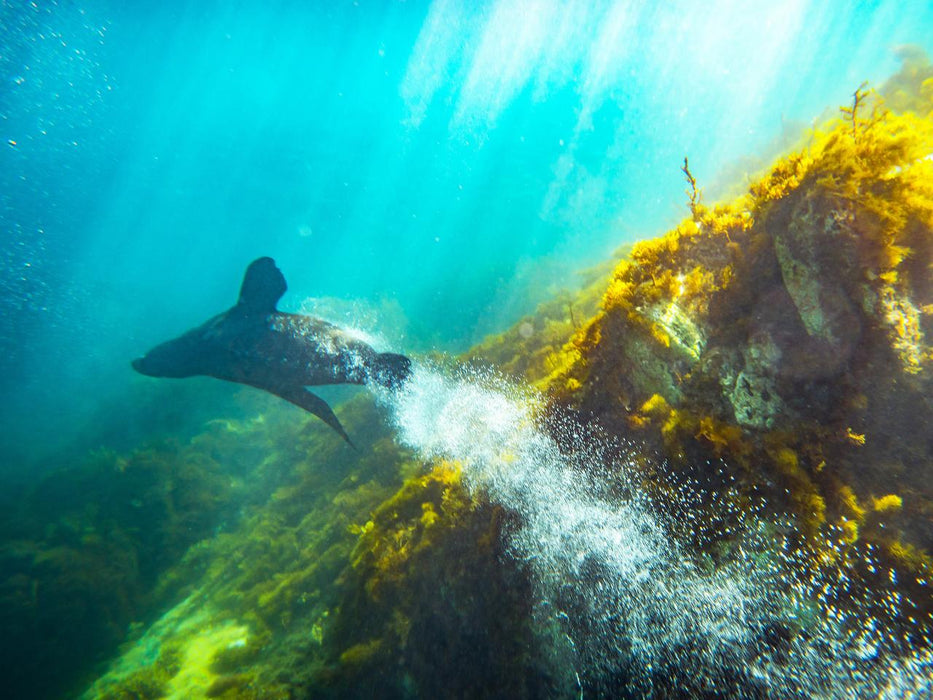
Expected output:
(775, 350)
(433, 594)
(94, 551)
(83, 551)
(787, 335)
(374, 572)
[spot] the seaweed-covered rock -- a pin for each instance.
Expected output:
(432, 607)
(248, 607)
(95, 550)
(790, 334)
(86, 551)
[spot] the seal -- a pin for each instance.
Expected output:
(255, 344)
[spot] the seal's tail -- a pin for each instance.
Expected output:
(390, 370)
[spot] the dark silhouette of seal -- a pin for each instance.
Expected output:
(253, 343)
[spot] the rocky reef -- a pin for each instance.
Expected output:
(83, 551)
(787, 334)
(775, 352)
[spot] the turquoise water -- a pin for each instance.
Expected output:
(427, 172)
(444, 166)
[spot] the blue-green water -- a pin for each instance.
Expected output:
(424, 171)
(445, 165)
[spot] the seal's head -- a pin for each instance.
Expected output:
(176, 358)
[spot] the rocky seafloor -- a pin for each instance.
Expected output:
(720, 485)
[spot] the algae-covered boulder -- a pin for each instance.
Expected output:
(84, 551)
(790, 334)
(432, 605)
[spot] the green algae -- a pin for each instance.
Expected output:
(88, 547)
(98, 548)
(157, 666)
(253, 592)
(336, 580)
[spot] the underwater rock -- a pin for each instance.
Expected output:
(98, 548)
(752, 392)
(788, 335)
(89, 545)
(431, 606)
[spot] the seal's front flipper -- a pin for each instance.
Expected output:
(303, 398)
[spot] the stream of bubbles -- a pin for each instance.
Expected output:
(635, 609)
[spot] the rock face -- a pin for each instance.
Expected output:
(789, 334)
